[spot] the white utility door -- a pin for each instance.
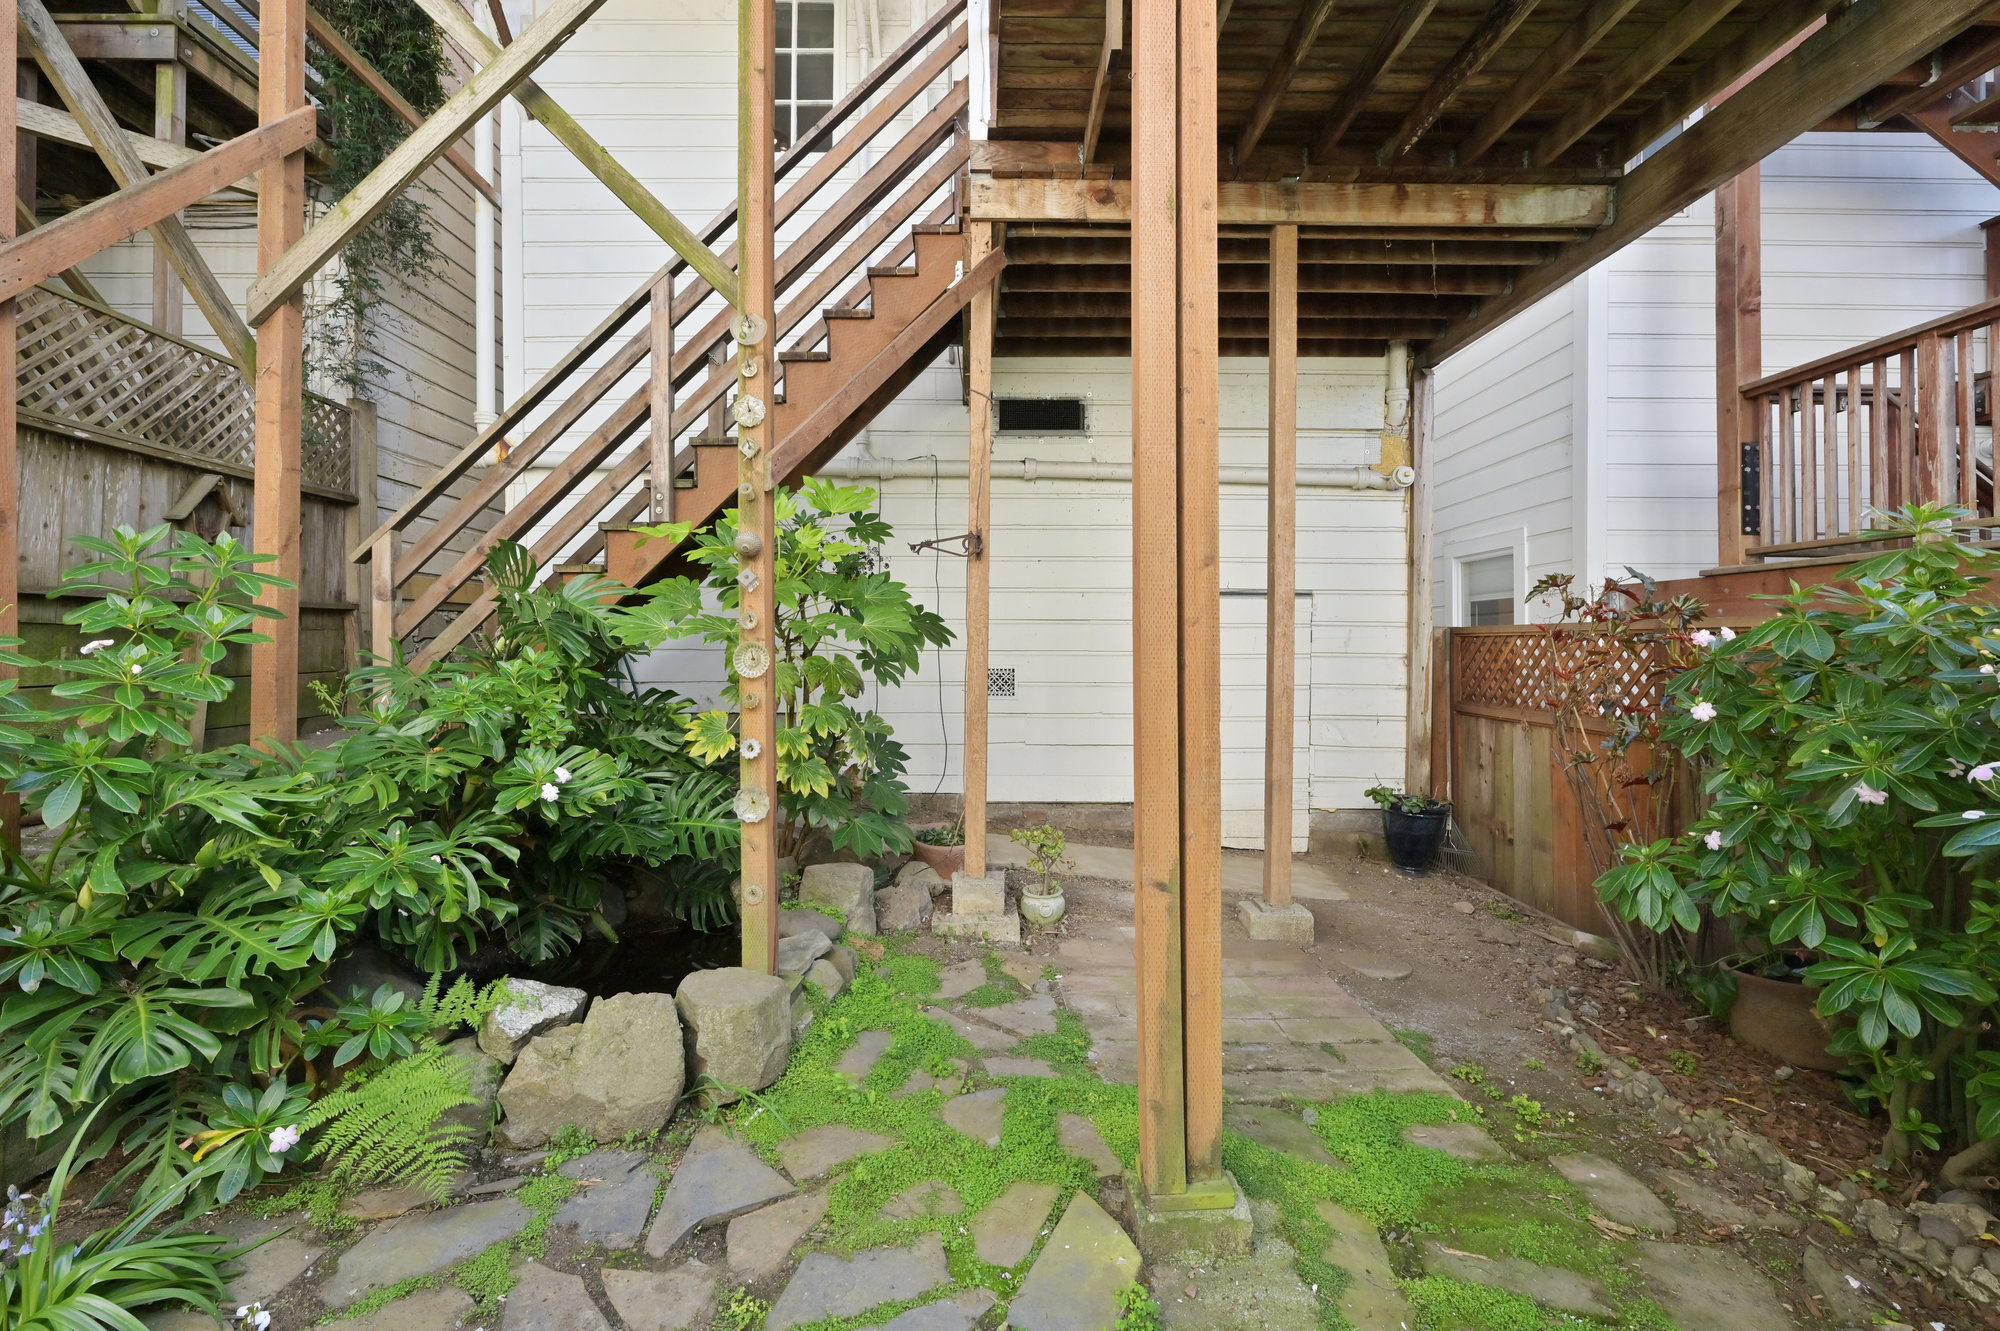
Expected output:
(1243, 615)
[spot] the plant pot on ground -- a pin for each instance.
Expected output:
(942, 847)
(1777, 1016)
(1413, 826)
(1043, 903)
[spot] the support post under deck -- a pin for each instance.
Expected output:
(10, 474)
(978, 572)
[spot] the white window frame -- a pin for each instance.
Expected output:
(1511, 543)
(839, 61)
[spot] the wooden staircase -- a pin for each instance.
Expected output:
(869, 293)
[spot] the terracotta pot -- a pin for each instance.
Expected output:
(1777, 1017)
(946, 860)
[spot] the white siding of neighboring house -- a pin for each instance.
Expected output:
(1864, 234)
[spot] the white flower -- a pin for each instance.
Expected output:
(283, 1139)
(94, 647)
(1983, 772)
(1867, 794)
(136, 667)
(1986, 669)
(551, 791)
(1972, 815)
(562, 775)
(1702, 711)
(1726, 633)
(1702, 638)
(1713, 840)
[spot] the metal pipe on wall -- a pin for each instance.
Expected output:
(1031, 469)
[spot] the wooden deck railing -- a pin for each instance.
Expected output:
(859, 228)
(83, 368)
(1903, 419)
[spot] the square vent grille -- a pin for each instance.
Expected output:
(1040, 415)
(1000, 681)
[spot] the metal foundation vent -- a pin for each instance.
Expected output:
(1040, 415)
(1000, 682)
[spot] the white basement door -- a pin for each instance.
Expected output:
(1243, 614)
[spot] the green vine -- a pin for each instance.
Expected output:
(342, 327)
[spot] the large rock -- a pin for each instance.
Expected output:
(847, 888)
(486, 1073)
(797, 952)
(531, 1008)
(621, 1071)
(739, 1030)
(902, 908)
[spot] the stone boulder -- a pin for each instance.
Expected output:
(903, 907)
(739, 1030)
(530, 1009)
(921, 874)
(487, 1073)
(848, 888)
(797, 952)
(620, 1071)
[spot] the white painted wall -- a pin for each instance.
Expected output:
(1583, 429)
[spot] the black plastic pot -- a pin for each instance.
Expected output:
(1414, 838)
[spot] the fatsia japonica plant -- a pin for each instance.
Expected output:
(1850, 749)
(842, 623)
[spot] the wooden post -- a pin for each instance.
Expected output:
(978, 572)
(10, 475)
(1197, 214)
(757, 366)
(361, 519)
(281, 198)
(660, 398)
(1281, 545)
(169, 124)
(1739, 348)
(1933, 431)
(382, 597)
(1419, 757)
(1990, 229)
(1156, 679)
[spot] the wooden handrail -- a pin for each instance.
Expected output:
(1972, 316)
(857, 97)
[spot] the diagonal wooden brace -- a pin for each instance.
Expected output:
(479, 95)
(66, 72)
(622, 183)
(71, 239)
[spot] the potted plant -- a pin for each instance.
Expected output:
(943, 847)
(1045, 847)
(1413, 825)
(1772, 1009)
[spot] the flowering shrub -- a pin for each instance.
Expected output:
(1850, 746)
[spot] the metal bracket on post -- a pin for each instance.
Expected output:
(970, 545)
(1753, 489)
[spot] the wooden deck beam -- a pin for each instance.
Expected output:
(1687, 26)
(74, 237)
(1577, 40)
(1100, 88)
(1390, 42)
(280, 281)
(1775, 35)
(1850, 55)
(1471, 57)
(1305, 203)
(66, 73)
(1961, 61)
(1298, 44)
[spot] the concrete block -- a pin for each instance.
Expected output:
(978, 896)
(1276, 924)
(995, 928)
(1219, 1232)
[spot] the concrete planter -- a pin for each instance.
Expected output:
(1043, 910)
(1777, 1017)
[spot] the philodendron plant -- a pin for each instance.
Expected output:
(1850, 749)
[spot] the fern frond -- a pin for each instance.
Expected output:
(383, 1127)
(464, 1004)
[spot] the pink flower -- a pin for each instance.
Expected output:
(1702, 638)
(1713, 840)
(283, 1139)
(1867, 794)
(1702, 711)
(1726, 633)
(1983, 772)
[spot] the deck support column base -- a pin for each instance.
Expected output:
(1276, 924)
(1212, 1217)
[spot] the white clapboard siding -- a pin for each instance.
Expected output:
(1863, 234)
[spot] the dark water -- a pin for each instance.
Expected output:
(644, 960)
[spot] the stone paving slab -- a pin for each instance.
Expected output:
(818, 1150)
(1080, 1137)
(1614, 1192)
(1279, 1130)
(978, 1115)
(931, 1197)
(1242, 871)
(661, 1300)
(1074, 1284)
(981, 1037)
(1710, 1289)
(1002, 1066)
(1565, 1291)
(960, 1312)
(862, 1054)
(1005, 1232)
(761, 1241)
(546, 1300)
(418, 1245)
(718, 1178)
(828, 1286)
(1371, 1299)
(1463, 1141)
(1028, 1016)
(960, 978)
(1718, 1207)
(617, 1196)
(426, 1310)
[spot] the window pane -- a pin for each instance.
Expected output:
(815, 26)
(1489, 577)
(1488, 614)
(784, 24)
(781, 122)
(815, 78)
(810, 113)
(782, 78)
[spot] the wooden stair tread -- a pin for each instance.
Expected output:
(937, 229)
(893, 272)
(795, 357)
(846, 312)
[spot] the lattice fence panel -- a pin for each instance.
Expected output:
(1534, 668)
(86, 365)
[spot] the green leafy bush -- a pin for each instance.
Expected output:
(842, 624)
(1850, 750)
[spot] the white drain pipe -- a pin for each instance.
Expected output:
(1031, 469)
